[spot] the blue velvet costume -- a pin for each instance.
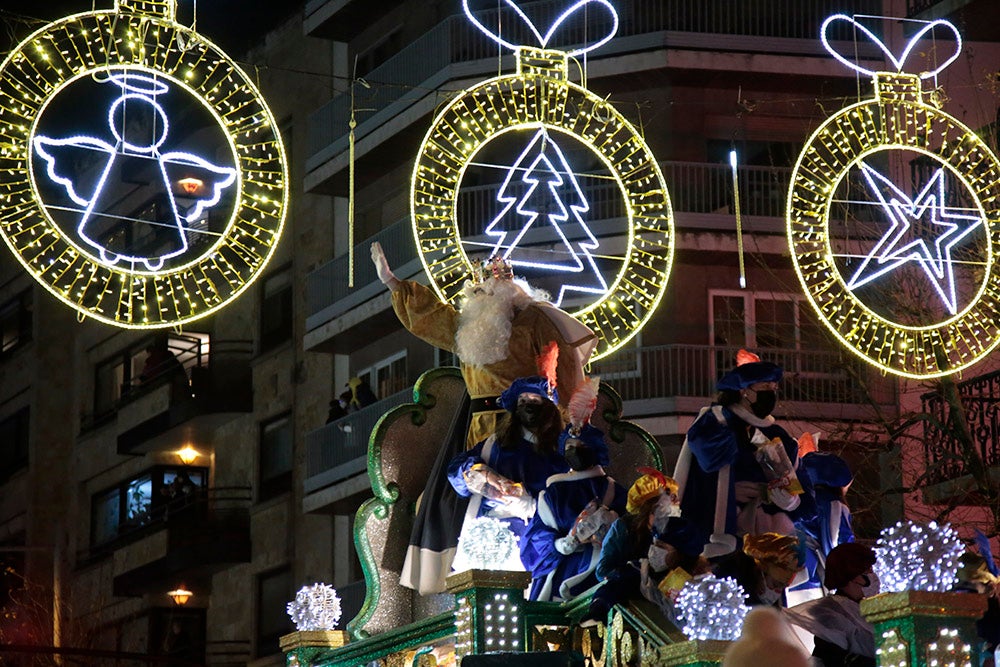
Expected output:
(554, 575)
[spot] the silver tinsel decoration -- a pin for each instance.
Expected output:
(487, 543)
(710, 608)
(912, 557)
(315, 607)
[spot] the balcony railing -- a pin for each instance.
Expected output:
(339, 449)
(980, 397)
(421, 66)
(665, 371)
(694, 188)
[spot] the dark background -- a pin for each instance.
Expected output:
(235, 25)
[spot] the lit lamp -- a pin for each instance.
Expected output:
(187, 455)
(180, 595)
(190, 185)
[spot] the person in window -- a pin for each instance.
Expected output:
(843, 637)
(361, 394)
(160, 362)
(338, 409)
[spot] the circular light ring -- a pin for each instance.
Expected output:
(932, 350)
(526, 103)
(100, 43)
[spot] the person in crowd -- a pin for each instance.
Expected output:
(766, 640)
(360, 394)
(503, 475)
(843, 638)
(778, 561)
(738, 469)
(574, 512)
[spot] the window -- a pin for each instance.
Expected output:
(138, 502)
(275, 457)
(15, 323)
(274, 590)
(14, 438)
(387, 376)
(276, 309)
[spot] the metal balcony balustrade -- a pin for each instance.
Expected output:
(946, 460)
(694, 188)
(811, 376)
(339, 449)
(424, 64)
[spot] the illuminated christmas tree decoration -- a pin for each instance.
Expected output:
(711, 608)
(541, 167)
(487, 543)
(315, 607)
(913, 557)
(220, 219)
(894, 125)
(900, 210)
(539, 102)
(133, 92)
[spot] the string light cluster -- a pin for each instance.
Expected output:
(711, 608)
(500, 618)
(893, 650)
(463, 627)
(912, 557)
(142, 38)
(539, 97)
(315, 607)
(487, 543)
(949, 650)
(896, 119)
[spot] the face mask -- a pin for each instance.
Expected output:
(581, 457)
(871, 586)
(764, 405)
(664, 510)
(529, 414)
(657, 558)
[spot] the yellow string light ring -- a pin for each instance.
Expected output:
(539, 101)
(223, 211)
(844, 286)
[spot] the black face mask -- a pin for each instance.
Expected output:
(529, 414)
(764, 405)
(581, 457)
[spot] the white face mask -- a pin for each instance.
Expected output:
(873, 587)
(665, 509)
(657, 556)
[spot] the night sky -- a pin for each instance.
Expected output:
(233, 24)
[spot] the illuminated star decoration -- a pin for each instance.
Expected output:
(534, 165)
(889, 253)
(139, 92)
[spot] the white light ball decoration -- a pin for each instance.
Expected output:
(315, 607)
(487, 543)
(913, 557)
(711, 608)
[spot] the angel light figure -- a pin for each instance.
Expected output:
(110, 200)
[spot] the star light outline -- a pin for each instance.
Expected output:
(901, 209)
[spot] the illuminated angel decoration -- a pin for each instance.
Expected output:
(108, 215)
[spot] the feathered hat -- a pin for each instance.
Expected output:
(530, 385)
(774, 548)
(649, 485)
(749, 370)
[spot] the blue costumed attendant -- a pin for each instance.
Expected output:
(503, 475)
(563, 542)
(737, 470)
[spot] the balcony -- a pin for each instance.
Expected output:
(951, 468)
(187, 538)
(975, 19)
(679, 379)
(337, 457)
(176, 407)
(339, 19)
(701, 196)
(403, 87)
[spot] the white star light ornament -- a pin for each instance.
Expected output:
(138, 92)
(542, 168)
(143, 181)
(540, 198)
(890, 252)
(901, 127)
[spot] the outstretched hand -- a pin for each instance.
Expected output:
(385, 274)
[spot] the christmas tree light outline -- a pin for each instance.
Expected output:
(583, 246)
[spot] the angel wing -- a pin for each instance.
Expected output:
(59, 166)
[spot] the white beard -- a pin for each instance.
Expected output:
(484, 323)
